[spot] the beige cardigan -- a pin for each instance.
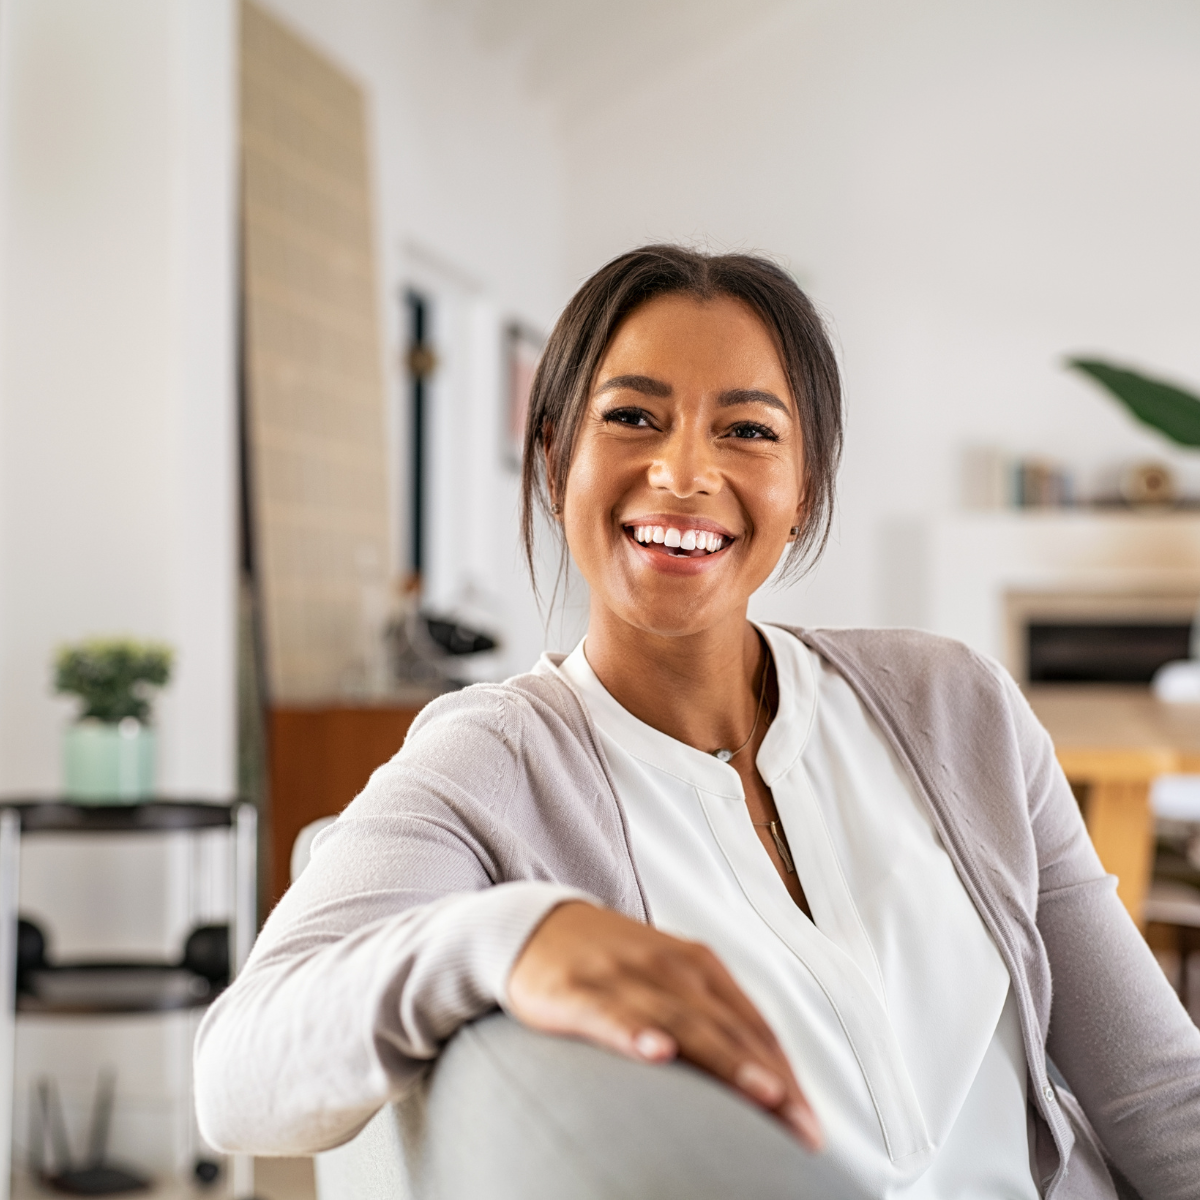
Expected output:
(419, 898)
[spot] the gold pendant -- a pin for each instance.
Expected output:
(781, 846)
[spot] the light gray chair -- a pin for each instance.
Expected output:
(509, 1114)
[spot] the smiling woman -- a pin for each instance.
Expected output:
(839, 872)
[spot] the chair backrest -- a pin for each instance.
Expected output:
(302, 846)
(373, 1166)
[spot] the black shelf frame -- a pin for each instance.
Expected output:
(55, 815)
(33, 1007)
(46, 815)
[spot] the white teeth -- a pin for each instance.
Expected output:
(676, 539)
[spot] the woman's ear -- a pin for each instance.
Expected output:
(548, 463)
(801, 513)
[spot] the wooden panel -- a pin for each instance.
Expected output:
(1087, 765)
(1121, 826)
(1115, 795)
(1113, 742)
(313, 365)
(320, 759)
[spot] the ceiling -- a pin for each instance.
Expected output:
(583, 53)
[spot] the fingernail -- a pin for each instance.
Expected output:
(763, 1085)
(652, 1044)
(805, 1124)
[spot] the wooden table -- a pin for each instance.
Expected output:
(1112, 743)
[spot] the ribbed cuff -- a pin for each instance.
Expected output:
(503, 920)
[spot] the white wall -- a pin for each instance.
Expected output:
(117, 447)
(117, 475)
(969, 192)
(470, 208)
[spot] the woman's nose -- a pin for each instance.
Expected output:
(685, 465)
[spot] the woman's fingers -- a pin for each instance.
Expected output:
(778, 1089)
(655, 1026)
(706, 1037)
(760, 1084)
(719, 980)
(739, 1015)
(592, 973)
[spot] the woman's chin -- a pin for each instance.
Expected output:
(678, 603)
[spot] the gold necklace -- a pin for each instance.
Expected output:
(780, 844)
(725, 755)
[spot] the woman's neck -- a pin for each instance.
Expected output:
(702, 688)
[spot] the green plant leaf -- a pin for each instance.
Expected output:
(1164, 407)
(111, 676)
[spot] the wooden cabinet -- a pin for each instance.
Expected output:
(319, 759)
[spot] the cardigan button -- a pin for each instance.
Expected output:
(1048, 1092)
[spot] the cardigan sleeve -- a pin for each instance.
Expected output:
(1118, 1033)
(400, 930)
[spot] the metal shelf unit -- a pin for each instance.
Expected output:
(20, 818)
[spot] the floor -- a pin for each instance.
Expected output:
(274, 1179)
(284, 1179)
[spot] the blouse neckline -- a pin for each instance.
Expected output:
(780, 747)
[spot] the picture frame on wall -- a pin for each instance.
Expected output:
(522, 349)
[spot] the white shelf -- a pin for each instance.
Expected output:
(969, 562)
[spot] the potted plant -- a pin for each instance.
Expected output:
(108, 753)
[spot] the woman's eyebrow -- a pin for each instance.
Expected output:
(635, 383)
(751, 396)
(655, 387)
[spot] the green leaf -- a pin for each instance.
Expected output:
(1164, 407)
(111, 676)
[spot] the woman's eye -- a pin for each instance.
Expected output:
(636, 418)
(751, 431)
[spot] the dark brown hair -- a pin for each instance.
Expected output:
(563, 381)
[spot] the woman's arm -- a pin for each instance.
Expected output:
(1118, 1033)
(390, 940)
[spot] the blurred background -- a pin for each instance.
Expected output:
(274, 276)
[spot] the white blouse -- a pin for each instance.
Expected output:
(892, 1004)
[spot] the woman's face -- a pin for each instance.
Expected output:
(687, 475)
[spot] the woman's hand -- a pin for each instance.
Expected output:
(597, 975)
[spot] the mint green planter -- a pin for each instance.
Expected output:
(109, 764)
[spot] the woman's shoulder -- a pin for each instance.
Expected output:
(506, 711)
(908, 658)
(928, 687)
(533, 717)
